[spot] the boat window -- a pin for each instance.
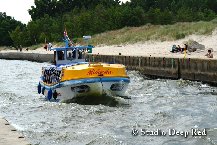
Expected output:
(71, 54)
(60, 55)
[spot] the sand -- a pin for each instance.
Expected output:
(162, 49)
(151, 48)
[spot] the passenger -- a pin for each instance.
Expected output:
(79, 54)
(45, 76)
(53, 79)
(55, 72)
(59, 74)
(57, 79)
(209, 54)
(74, 54)
(69, 55)
(70, 43)
(60, 55)
(47, 79)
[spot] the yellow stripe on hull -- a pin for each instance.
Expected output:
(93, 70)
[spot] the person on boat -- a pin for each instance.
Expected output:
(69, 56)
(79, 54)
(60, 55)
(209, 54)
(46, 79)
(70, 43)
(53, 79)
(44, 76)
(74, 54)
(58, 74)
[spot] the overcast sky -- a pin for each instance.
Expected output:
(19, 9)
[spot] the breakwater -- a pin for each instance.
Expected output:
(204, 70)
(37, 57)
(175, 68)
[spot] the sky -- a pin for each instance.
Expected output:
(18, 9)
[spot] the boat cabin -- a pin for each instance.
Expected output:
(68, 55)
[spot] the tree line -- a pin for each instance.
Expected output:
(7, 25)
(89, 17)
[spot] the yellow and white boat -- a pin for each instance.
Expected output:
(72, 77)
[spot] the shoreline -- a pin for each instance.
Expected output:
(178, 55)
(119, 50)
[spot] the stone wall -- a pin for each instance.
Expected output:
(27, 56)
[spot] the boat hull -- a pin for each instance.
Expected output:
(86, 88)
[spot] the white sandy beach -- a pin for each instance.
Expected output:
(151, 48)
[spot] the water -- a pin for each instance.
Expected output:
(154, 104)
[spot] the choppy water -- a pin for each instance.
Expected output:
(154, 104)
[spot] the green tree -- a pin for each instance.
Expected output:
(153, 15)
(16, 36)
(184, 15)
(88, 17)
(7, 24)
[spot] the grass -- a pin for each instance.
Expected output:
(33, 47)
(7, 48)
(130, 35)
